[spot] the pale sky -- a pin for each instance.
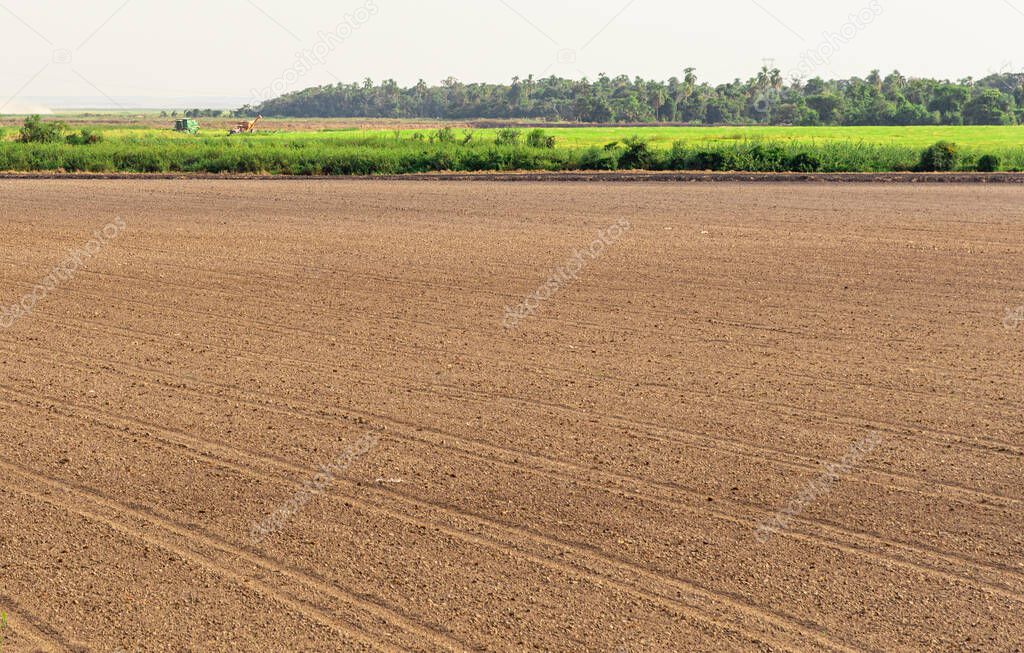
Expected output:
(237, 49)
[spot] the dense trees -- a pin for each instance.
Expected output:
(763, 99)
(205, 113)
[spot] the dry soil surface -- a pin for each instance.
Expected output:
(295, 416)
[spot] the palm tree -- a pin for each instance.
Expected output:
(690, 80)
(875, 79)
(764, 78)
(894, 82)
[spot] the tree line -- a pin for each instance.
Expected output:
(765, 99)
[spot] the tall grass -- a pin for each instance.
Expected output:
(378, 153)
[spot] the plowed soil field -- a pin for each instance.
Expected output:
(297, 416)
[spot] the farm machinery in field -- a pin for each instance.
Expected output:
(187, 125)
(245, 127)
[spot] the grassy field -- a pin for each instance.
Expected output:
(977, 138)
(351, 150)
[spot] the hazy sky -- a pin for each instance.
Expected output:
(242, 48)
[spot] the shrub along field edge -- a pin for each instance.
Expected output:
(447, 150)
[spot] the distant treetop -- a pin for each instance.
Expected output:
(765, 99)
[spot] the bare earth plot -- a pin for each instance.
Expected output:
(593, 479)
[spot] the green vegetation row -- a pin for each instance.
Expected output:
(451, 150)
(765, 99)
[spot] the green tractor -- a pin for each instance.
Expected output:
(187, 125)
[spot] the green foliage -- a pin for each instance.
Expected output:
(763, 99)
(37, 131)
(768, 157)
(988, 163)
(540, 138)
(85, 137)
(990, 106)
(804, 162)
(206, 113)
(949, 101)
(941, 157)
(677, 155)
(445, 135)
(598, 158)
(637, 154)
(706, 160)
(762, 156)
(367, 152)
(508, 136)
(828, 106)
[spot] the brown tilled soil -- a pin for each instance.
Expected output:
(641, 465)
